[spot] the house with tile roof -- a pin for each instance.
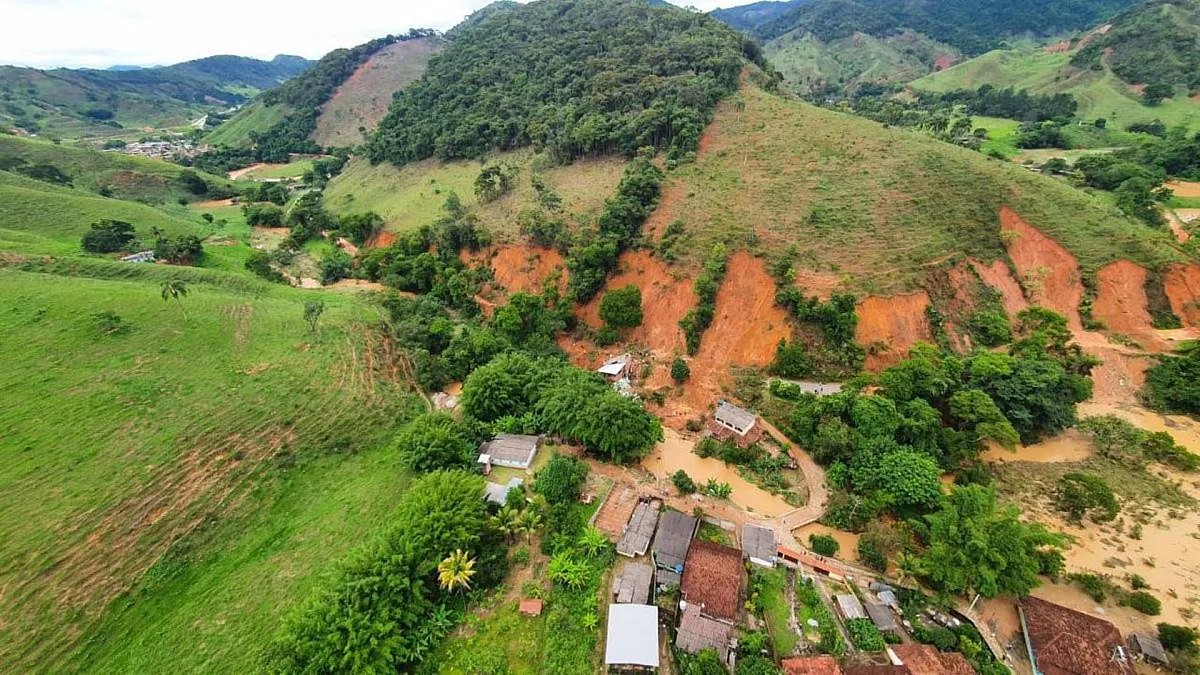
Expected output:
(713, 578)
(1062, 641)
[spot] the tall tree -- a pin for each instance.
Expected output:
(176, 289)
(456, 570)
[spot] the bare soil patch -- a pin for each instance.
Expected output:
(888, 327)
(524, 268)
(1182, 284)
(1183, 188)
(666, 298)
(944, 61)
(998, 276)
(1121, 299)
(1050, 274)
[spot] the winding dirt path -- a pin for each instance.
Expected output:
(818, 494)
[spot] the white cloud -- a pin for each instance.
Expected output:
(99, 33)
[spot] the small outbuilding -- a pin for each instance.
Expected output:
(632, 585)
(758, 545)
(673, 539)
(498, 494)
(731, 423)
(616, 368)
(698, 632)
(1148, 648)
(882, 617)
(635, 540)
(530, 607)
(511, 450)
(850, 606)
(632, 642)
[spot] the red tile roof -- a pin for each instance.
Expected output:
(531, 607)
(712, 577)
(926, 660)
(811, 665)
(1067, 642)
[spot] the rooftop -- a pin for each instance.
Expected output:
(731, 415)
(511, 450)
(758, 542)
(811, 665)
(633, 584)
(927, 660)
(1065, 641)
(712, 578)
(850, 607)
(881, 616)
(530, 607)
(674, 536)
(632, 636)
(614, 366)
(497, 493)
(635, 540)
(697, 633)
(1149, 646)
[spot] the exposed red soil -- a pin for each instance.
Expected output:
(944, 61)
(1049, 272)
(672, 193)
(1177, 229)
(888, 327)
(665, 299)
(1121, 300)
(524, 268)
(1182, 284)
(1058, 47)
(746, 327)
(382, 240)
(962, 281)
(998, 276)
(1185, 188)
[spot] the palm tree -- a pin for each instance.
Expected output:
(908, 568)
(529, 522)
(175, 289)
(593, 541)
(456, 570)
(507, 522)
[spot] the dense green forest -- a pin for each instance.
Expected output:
(577, 78)
(973, 26)
(1153, 42)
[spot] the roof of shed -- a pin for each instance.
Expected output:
(632, 636)
(511, 448)
(712, 578)
(758, 542)
(633, 584)
(636, 537)
(673, 538)
(881, 616)
(729, 413)
(1067, 641)
(850, 606)
(697, 633)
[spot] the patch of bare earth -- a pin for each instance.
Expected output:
(1121, 301)
(666, 297)
(888, 327)
(1050, 274)
(523, 267)
(1182, 285)
(998, 276)
(1184, 188)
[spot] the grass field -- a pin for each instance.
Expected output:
(777, 611)
(254, 117)
(870, 205)
(128, 177)
(805, 60)
(1001, 137)
(294, 169)
(37, 217)
(412, 195)
(1100, 94)
(171, 488)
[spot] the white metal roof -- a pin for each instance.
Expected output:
(632, 636)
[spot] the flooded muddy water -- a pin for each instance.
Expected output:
(847, 541)
(1070, 446)
(675, 452)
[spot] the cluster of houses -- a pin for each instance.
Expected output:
(164, 150)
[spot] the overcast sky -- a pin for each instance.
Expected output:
(100, 33)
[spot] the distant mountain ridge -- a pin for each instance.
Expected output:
(83, 102)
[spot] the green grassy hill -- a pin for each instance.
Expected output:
(172, 487)
(809, 63)
(124, 176)
(255, 117)
(87, 103)
(1099, 93)
(874, 207)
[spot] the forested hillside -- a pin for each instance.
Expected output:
(841, 44)
(747, 17)
(283, 119)
(1154, 42)
(100, 102)
(531, 76)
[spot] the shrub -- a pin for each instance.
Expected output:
(871, 554)
(823, 544)
(1177, 638)
(679, 370)
(561, 480)
(1143, 602)
(865, 635)
(1080, 494)
(791, 360)
(683, 482)
(108, 236)
(622, 308)
(1093, 585)
(434, 441)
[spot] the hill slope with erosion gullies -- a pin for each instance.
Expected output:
(848, 43)
(84, 103)
(1106, 69)
(907, 224)
(346, 87)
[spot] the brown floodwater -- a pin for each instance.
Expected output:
(1069, 446)
(676, 452)
(847, 541)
